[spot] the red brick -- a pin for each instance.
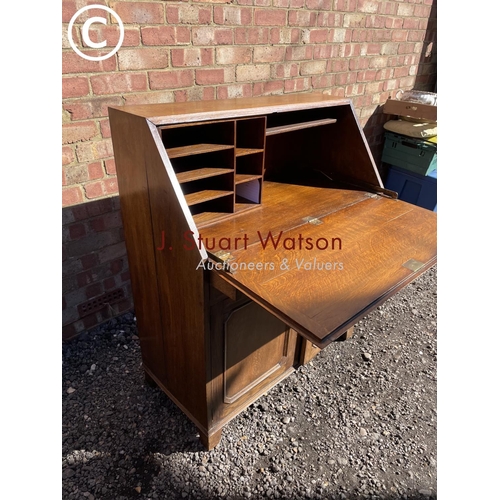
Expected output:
(192, 57)
(350, 50)
(354, 20)
(97, 107)
(77, 231)
(359, 63)
(207, 35)
(95, 171)
(399, 35)
(399, 72)
(111, 35)
(234, 91)
(151, 97)
(388, 8)
(189, 14)
(319, 4)
(253, 36)
(118, 83)
(339, 66)
(374, 87)
(93, 290)
(366, 76)
(110, 166)
(297, 4)
(344, 5)
(375, 21)
(382, 35)
(270, 17)
(325, 51)
(360, 35)
(68, 155)
(405, 9)
(286, 70)
(406, 48)
(73, 63)
(297, 85)
(71, 196)
(411, 24)
(299, 53)
(165, 35)
(110, 185)
(150, 58)
(70, 7)
(233, 55)
(209, 76)
(94, 189)
(75, 87)
(330, 19)
(369, 6)
(318, 36)
(407, 81)
(78, 131)
(379, 62)
(253, 72)
(302, 18)
(272, 87)
(139, 12)
(356, 89)
(89, 261)
(324, 81)
(373, 48)
(105, 130)
(76, 174)
(268, 54)
(106, 221)
(384, 74)
(416, 36)
(87, 152)
(422, 11)
(234, 16)
(312, 68)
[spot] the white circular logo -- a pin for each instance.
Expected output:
(85, 32)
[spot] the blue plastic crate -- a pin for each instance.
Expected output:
(420, 190)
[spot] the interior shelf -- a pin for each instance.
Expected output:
(239, 178)
(247, 151)
(201, 173)
(299, 126)
(205, 195)
(196, 149)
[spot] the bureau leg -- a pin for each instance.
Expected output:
(210, 441)
(347, 335)
(149, 380)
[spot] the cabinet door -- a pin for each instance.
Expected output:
(251, 351)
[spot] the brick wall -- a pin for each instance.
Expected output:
(214, 49)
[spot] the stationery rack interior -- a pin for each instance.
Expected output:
(221, 164)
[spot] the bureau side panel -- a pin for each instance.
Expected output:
(129, 136)
(180, 284)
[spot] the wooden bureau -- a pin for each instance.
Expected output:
(258, 231)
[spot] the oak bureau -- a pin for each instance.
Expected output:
(258, 231)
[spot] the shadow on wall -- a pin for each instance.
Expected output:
(95, 275)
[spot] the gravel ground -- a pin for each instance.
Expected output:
(359, 421)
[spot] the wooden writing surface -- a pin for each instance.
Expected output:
(378, 236)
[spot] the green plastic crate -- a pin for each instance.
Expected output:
(415, 155)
